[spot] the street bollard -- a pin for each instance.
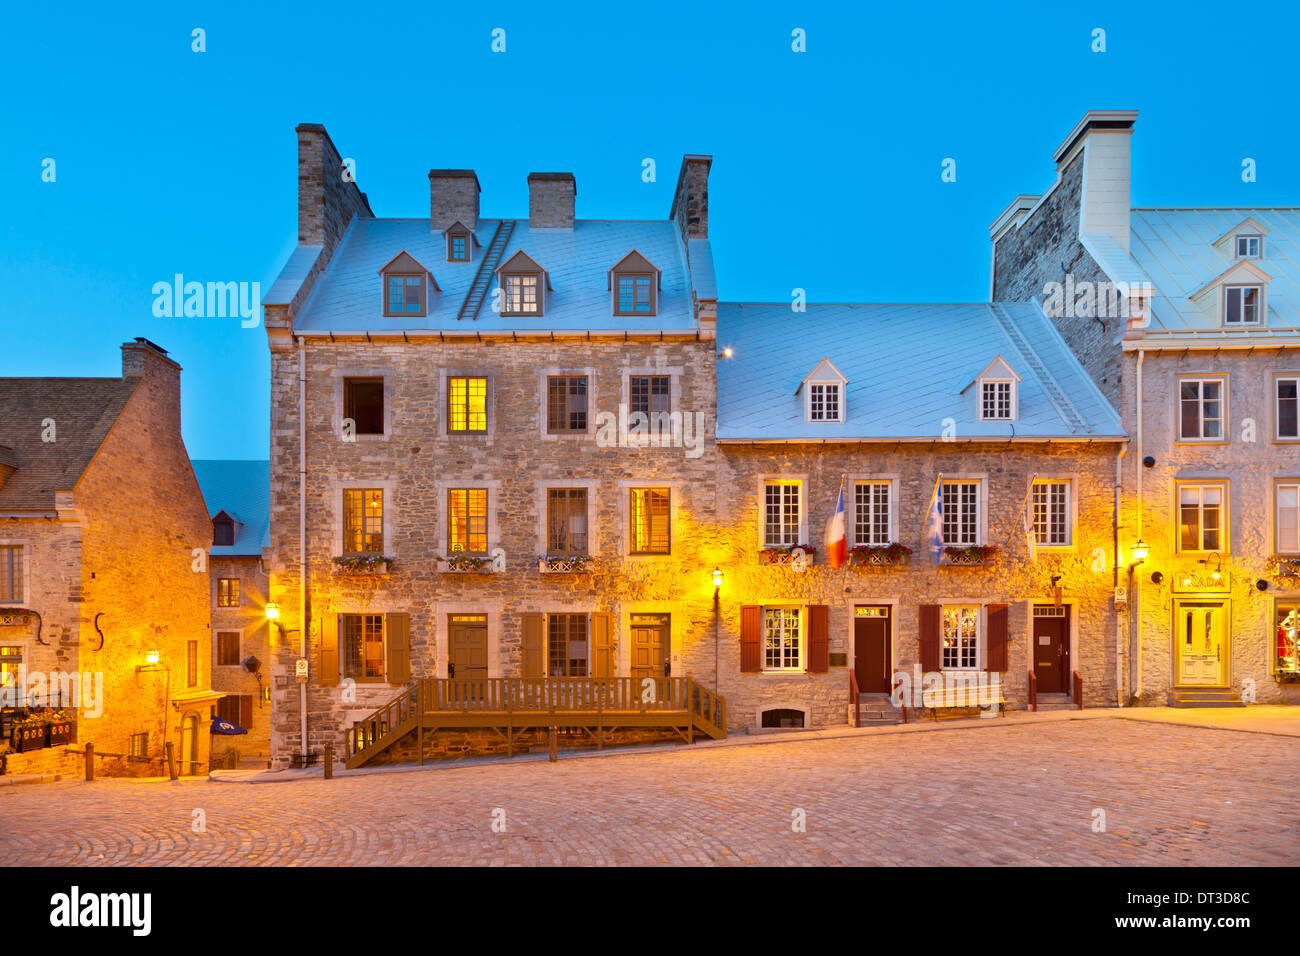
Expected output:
(329, 761)
(90, 762)
(554, 755)
(171, 760)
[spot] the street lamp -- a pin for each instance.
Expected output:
(1139, 552)
(717, 615)
(717, 579)
(152, 658)
(272, 611)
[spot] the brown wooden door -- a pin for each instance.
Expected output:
(871, 657)
(650, 645)
(1052, 648)
(467, 653)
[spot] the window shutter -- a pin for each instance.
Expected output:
(602, 645)
(818, 638)
(751, 626)
(398, 663)
(928, 629)
(246, 710)
(328, 658)
(997, 642)
(532, 645)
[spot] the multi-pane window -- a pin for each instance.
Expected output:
(223, 532)
(11, 572)
(961, 513)
(566, 403)
(1288, 404)
(191, 663)
(227, 648)
(1200, 517)
(781, 638)
(566, 645)
(227, 592)
(1201, 409)
(634, 295)
(650, 513)
(458, 247)
(521, 295)
(995, 401)
(649, 393)
(467, 518)
(1248, 247)
(960, 638)
(1051, 504)
(781, 514)
(467, 404)
(363, 646)
(566, 521)
(1241, 304)
(363, 521)
(11, 664)
(1287, 522)
(363, 404)
(824, 402)
(403, 295)
(138, 746)
(871, 512)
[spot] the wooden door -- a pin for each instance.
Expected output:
(1200, 632)
(871, 654)
(1052, 648)
(467, 654)
(651, 648)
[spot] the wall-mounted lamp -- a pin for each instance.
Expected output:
(1139, 553)
(152, 658)
(272, 611)
(717, 578)
(1217, 573)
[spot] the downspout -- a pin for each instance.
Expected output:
(302, 535)
(1135, 599)
(1119, 628)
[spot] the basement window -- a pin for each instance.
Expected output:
(781, 717)
(363, 404)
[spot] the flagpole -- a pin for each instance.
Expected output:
(934, 492)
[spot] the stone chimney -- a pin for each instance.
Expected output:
(1104, 197)
(691, 200)
(328, 197)
(162, 379)
(550, 200)
(453, 196)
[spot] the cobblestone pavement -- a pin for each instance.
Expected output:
(1012, 795)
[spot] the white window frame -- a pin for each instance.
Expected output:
(1228, 290)
(839, 401)
(1201, 484)
(1013, 400)
(1223, 419)
(851, 511)
(801, 484)
(1259, 246)
(801, 621)
(1293, 485)
(508, 278)
(979, 512)
(1277, 407)
(977, 650)
(1069, 511)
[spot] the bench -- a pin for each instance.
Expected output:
(972, 697)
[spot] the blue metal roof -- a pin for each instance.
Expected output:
(242, 489)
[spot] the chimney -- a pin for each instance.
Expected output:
(162, 377)
(550, 200)
(328, 197)
(453, 196)
(1104, 196)
(691, 200)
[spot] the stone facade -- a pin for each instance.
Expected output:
(551, 198)
(248, 620)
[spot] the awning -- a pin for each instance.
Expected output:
(225, 728)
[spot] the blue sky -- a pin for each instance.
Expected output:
(826, 170)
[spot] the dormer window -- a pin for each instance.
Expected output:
(995, 401)
(1249, 247)
(634, 281)
(634, 295)
(823, 393)
(521, 296)
(997, 394)
(223, 530)
(406, 287)
(1241, 304)
(523, 285)
(460, 242)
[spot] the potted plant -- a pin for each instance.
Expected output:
(972, 555)
(468, 564)
(29, 733)
(58, 729)
(363, 564)
(879, 555)
(786, 555)
(564, 563)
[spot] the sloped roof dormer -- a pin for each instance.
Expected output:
(406, 298)
(642, 298)
(406, 264)
(1250, 226)
(997, 391)
(517, 297)
(823, 391)
(1211, 298)
(457, 229)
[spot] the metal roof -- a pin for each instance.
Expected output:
(242, 489)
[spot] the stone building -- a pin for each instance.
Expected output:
(1189, 321)
(237, 494)
(103, 585)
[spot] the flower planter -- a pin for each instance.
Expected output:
(467, 565)
(881, 556)
(59, 732)
(980, 556)
(362, 565)
(785, 557)
(578, 564)
(29, 737)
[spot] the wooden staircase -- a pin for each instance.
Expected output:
(483, 278)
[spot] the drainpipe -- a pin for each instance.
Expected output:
(1119, 628)
(302, 535)
(1135, 599)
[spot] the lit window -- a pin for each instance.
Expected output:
(781, 638)
(995, 401)
(960, 638)
(521, 295)
(363, 521)
(1241, 305)
(961, 513)
(11, 573)
(1287, 617)
(566, 640)
(1287, 523)
(1200, 518)
(650, 520)
(11, 664)
(824, 403)
(404, 295)
(634, 295)
(228, 592)
(1248, 247)
(467, 404)
(781, 514)
(467, 515)
(1051, 514)
(1201, 413)
(871, 513)
(363, 646)
(1288, 425)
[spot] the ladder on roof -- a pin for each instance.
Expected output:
(1055, 393)
(483, 278)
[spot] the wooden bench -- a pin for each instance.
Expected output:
(960, 698)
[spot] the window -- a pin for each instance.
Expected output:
(1248, 247)
(228, 592)
(138, 746)
(650, 515)
(871, 512)
(824, 402)
(995, 401)
(227, 648)
(961, 513)
(11, 665)
(404, 294)
(781, 638)
(566, 521)
(1241, 304)
(1288, 425)
(223, 531)
(781, 514)
(467, 404)
(236, 709)
(11, 572)
(1201, 414)
(960, 638)
(363, 403)
(191, 663)
(363, 646)
(566, 404)
(521, 295)
(467, 516)
(363, 521)
(649, 393)
(635, 295)
(1287, 522)
(1051, 513)
(566, 645)
(1200, 517)
(1287, 618)
(458, 247)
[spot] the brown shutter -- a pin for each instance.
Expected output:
(751, 626)
(532, 645)
(997, 643)
(327, 664)
(398, 664)
(246, 710)
(818, 638)
(602, 662)
(928, 629)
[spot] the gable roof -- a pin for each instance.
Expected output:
(820, 373)
(999, 369)
(1250, 226)
(633, 262)
(404, 263)
(523, 262)
(83, 409)
(241, 490)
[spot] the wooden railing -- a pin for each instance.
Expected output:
(1078, 690)
(1033, 691)
(389, 719)
(707, 707)
(855, 696)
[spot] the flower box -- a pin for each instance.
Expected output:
(564, 564)
(785, 557)
(29, 736)
(979, 555)
(362, 564)
(468, 564)
(59, 732)
(885, 556)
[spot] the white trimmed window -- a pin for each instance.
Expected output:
(1201, 410)
(1249, 247)
(960, 637)
(1241, 304)
(871, 512)
(825, 402)
(961, 513)
(1286, 407)
(782, 639)
(1201, 514)
(997, 401)
(1286, 524)
(1051, 513)
(521, 295)
(782, 513)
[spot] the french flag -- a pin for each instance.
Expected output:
(837, 548)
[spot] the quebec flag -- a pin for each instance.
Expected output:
(934, 523)
(837, 550)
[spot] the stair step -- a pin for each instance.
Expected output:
(1204, 698)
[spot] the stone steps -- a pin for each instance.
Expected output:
(1205, 698)
(877, 711)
